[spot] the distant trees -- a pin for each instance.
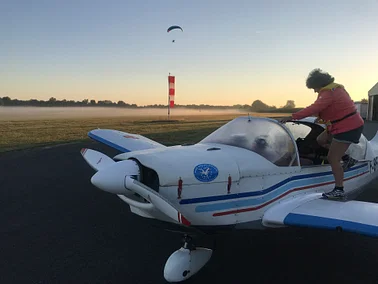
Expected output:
(289, 104)
(256, 106)
(6, 100)
(53, 102)
(259, 106)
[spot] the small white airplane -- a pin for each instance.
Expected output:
(251, 173)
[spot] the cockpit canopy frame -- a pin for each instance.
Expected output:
(264, 136)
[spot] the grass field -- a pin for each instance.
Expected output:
(20, 134)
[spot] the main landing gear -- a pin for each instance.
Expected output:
(186, 261)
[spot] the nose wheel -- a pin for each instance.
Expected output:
(186, 261)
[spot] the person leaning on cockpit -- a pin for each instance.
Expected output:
(344, 125)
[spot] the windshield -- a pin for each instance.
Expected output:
(298, 130)
(260, 135)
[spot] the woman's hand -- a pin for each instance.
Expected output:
(318, 120)
(286, 119)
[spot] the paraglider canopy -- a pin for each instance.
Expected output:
(174, 28)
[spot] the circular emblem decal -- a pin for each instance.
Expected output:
(205, 172)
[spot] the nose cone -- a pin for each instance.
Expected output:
(109, 181)
(112, 178)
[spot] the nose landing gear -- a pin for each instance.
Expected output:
(186, 261)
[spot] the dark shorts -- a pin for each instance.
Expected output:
(352, 136)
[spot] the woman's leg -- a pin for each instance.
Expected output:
(324, 139)
(335, 153)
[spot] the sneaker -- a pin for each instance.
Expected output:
(334, 194)
(348, 162)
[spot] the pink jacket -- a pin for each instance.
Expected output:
(332, 105)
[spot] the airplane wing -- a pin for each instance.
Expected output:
(313, 211)
(123, 141)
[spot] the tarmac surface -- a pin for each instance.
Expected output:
(56, 227)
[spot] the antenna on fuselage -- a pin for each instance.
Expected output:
(249, 118)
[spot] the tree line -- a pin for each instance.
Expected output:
(256, 106)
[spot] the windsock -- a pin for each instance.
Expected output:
(171, 82)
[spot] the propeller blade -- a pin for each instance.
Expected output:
(95, 159)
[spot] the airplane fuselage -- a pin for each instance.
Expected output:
(223, 185)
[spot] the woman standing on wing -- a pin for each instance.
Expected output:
(344, 124)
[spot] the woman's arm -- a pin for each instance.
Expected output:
(324, 100)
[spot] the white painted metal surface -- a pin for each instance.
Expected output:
(275, 216)
(313, 211)
(228, 183)
(112, 178)
(96, 160)
(123, 141)
(184, 263)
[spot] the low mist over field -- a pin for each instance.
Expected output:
(27, 113)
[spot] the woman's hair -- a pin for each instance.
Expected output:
(318, 79)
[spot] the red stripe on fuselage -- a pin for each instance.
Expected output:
(278, 197)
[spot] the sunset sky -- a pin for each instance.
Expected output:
(231, 52)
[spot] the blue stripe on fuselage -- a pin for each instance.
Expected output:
(260, 192)
(272, 194)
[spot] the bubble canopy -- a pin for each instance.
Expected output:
(264, 136)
